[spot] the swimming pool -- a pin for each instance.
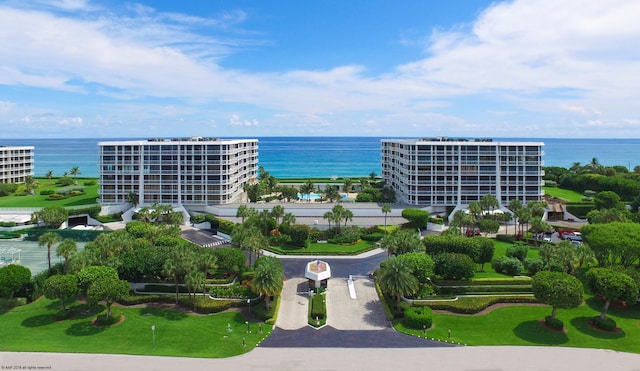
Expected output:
(315, 196)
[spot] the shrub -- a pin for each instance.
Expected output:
(554, 323)
(417, 218)
(517, 251)
(533, 265)
(64, 181)
(454, 266)
(435, 245)
(299, 235)
(372, 236)
(506, 238)
(279, 240)
(418, 317)
(607, 323)
(471, 305)
(89, 183)
(7, 189)
(47, 192)
(6, 304)
(230, 259)
(508, 265)
(92, 211)
(424, 292)
(114, 318)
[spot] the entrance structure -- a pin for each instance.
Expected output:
(318, 272)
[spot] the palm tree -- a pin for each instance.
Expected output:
(30, 184)
(347, 215)
(49, 239)
(49, 174)
(66, 249)
(386, 209)
(194, 280)
(329, 216)
(144, 214)
(132, 199)
(75, 171)
(307, 188)
(289, 218)
(348, 185)
(396, 279)
(515, 205)
(244, 212)
(268, 278)
(331, 193)
(277, 212)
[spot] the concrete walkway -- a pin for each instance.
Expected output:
(294, 307)
(495, 358)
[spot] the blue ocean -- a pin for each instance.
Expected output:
(293, 157)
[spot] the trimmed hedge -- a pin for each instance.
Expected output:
(606, 324)
(554, 323)
(418, 317)
(76, 235)
(580, 210)
(472, 305)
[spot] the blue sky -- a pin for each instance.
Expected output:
(543, 68)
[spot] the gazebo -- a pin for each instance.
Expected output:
(318, 272)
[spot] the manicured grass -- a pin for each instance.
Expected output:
(565, 194)
(325, 248)
(32, 328)
(501, 250)
(37, 200)
(520, 325)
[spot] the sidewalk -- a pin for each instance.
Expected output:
(522, 358)
(314, 257)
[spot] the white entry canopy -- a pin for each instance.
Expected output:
(317, 270)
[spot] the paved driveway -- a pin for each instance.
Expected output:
(363, 313)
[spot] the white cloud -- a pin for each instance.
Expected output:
(546, 60)
(235, 120)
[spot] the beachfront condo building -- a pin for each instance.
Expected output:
(16, 163)
(179, 171)
(454, 172)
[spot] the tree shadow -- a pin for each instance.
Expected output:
(537, 333)
(39, 320)
(583, 325)
(375, 314)
(170, 314)
(84, 329)
(615, 309)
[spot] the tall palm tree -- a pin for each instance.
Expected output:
(49, 239)
(277, 212)
(132, 199)
(75, 171)
(194, 280)
(288, 218)
(49, 174)
(307, 188)
(66, 249)
(396, 279)
(515, 205)
(329, 216)
(331, 193)
(268, 278)
(386, 209)
(348, 184)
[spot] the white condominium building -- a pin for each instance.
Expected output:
(16, 163)
(179, 171)
(454, 172)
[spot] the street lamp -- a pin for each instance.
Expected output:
(248, 331)
(153, 335)
(249, 304)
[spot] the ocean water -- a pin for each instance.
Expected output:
(289, 157)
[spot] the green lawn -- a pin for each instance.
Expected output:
(520, 325)
(37, 200)
(32, 328)
(325, 248)
(565, 194)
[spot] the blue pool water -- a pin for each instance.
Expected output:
(315, 196)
